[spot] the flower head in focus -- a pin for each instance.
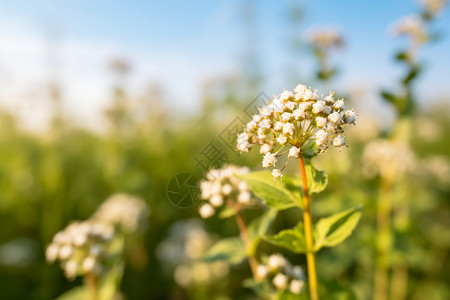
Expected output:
(294, 120)
(222, 188)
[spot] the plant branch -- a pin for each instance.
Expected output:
(310, 256)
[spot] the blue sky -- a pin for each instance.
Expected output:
(180, 44)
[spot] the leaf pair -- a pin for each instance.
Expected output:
(328, 232)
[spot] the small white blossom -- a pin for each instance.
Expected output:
(321, 122)
(244, 197)
(334, 117)
(269, 159)
(206, 211)
(265, 148)
(227, 189)
(338, 141)
(280, 281)
(282, 139)
(285, 117)
(293, 152)
(296, 286)
(276, 174)
(288, 128)
(216, 200)
(276, 261)
(339, 105)
(261, 271)
(321, 137)
(350, 117)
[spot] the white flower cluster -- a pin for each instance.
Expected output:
(222, 187)
(325, 38)
(387, 159)
(182, 250)
(433, 7)
(412, 26)
(295, 118)
(81, 247)
(282, 274)
(127, 212)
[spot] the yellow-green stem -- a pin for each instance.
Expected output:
(310, 256)
(91, 282)
(247, 242)
(383, 246)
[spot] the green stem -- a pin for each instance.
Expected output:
(310, 256)
(91, 282)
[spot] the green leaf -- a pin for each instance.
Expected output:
(335, 291)
(275, 194)
(77, 293)
(230, 249)
(291, 239)
(258, 228)
(287, 295)
(333, 230)
(227, 212)
(317, 180)
(412, 74)
(389, 97)
(401, 56)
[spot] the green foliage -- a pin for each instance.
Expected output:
(275, 194)
(317, 180)
(333, 230)
(291, 239)
(231, 249)
(258, 228)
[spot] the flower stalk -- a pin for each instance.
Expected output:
(310, 256)
(91, 282)
(247, 242)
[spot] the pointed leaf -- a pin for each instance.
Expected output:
(275, 194)
(317, 180)
(258, 228)
(333, 230)
(230, 249)
(291, 239)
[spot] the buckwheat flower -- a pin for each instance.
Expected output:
(339, 104)
(294, 152)
(265, 148)
(338, 141)
(269, 159)
(65, 252)
(285, 117)
(244, 197)
(297, 272)
(261, 271)
(276, 174)
(288, 128)
(265, 124)
(206, 211)
(350, 117)
(216, 200)
(412, 26)
(276, 261)
(126, 212)
(321, 122)
(51, 253)
(321, 137)
(335, 117)
(433, 7)
(296, 286)
(282, 139)
(224, 189)
(325, 38)
(280, 281)
(88, 264)
(298, 119)
(71, 269)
